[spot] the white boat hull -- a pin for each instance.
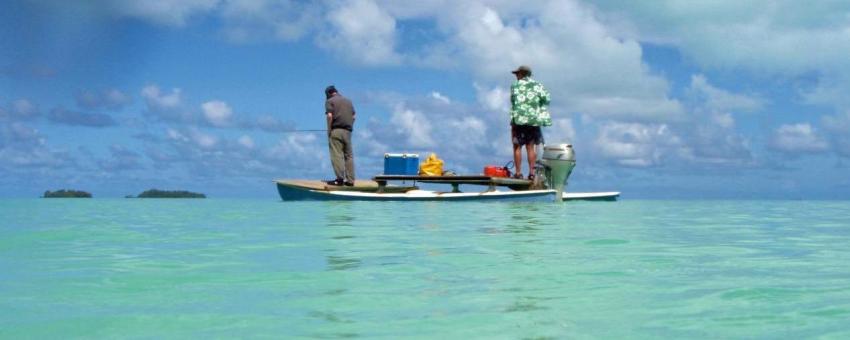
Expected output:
(591, 196)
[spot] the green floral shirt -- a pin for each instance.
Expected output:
(530, 103)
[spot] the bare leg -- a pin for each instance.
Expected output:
(531, 151)
(518, 158)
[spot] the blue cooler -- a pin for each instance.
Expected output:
(401, 164)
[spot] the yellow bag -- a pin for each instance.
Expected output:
(432, 166)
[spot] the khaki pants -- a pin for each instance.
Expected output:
(342, 156)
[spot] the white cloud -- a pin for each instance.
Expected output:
(62, 116)
(838, 128)
(21, 135)
(712, 140)
(23, 148)
(271, 124)
(255, 20)
(496, 99)
(204, 140)
(589, 54)
(717, 99)
(164, 12)
(414, 125)
(121, 159)
(798, 138)
(708, 133)
(171, 108)
(112, 99)
(19, 110)
(783, 39)
(561, 131)
(438, 96)
(176, 135)
(361, 31)
(298, 152)
(158, 101)
(472, 131)
(772, 36)
(246, 141)
(584, 66)
(217, 112)
(294, 143)
(24, 108)
(193, 153)
(635, 144)
(839, 123)
(166, 106)
(723, 120)
(366, 139)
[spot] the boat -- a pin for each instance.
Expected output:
(377, 189)
(551, 176)
(591, 196)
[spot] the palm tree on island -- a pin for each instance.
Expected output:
(156, 193)
(64, 193)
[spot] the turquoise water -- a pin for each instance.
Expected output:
(263, 268)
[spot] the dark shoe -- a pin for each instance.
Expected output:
(531, 177)
(518, 175)
(348, 184)
(337, 182)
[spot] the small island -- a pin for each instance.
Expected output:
(155, 193)
(66, 194)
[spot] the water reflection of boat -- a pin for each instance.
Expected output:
(550, 179)
(591, 196)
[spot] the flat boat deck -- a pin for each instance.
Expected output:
(359, 185)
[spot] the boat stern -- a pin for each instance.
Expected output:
(558, 161)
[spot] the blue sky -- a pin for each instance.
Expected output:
(661, 99)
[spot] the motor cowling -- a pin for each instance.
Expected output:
(558, 161)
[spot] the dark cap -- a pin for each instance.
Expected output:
(523, 68)
(330, 90)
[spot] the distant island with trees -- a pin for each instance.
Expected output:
(155, 193)
(66, 194)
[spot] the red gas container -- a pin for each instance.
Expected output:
(496, 171)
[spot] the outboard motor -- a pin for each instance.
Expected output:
(558, 162)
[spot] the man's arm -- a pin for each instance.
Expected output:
(545, 98)
(329, 109)
(330, 120)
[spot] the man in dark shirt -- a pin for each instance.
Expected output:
(340, 117)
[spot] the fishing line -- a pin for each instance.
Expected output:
(304, 130)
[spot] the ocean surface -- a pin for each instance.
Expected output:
(148, 268)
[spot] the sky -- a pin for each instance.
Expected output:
(660, 99)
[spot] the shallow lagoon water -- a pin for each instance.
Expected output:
(265, 268)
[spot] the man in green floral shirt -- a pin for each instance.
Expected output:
(529, 111)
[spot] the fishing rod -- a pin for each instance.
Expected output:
(304, 130)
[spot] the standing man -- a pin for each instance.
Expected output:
(529, 111)
(340, 117)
